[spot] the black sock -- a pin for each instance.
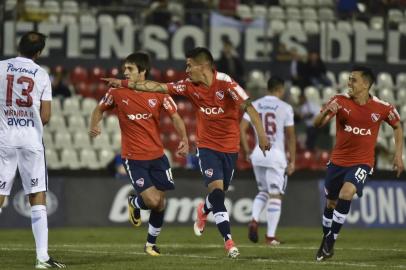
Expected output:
(138, 202)
(216, 198)
(327, 220)
(156, 219)
(339, 216)
(207, 208)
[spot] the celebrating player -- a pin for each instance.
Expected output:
(218, 99)
(270, 171)
(358, 118)
(142, 150)
(26, 95)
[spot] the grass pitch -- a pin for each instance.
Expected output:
(122, 248)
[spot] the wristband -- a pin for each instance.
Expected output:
(124, 83)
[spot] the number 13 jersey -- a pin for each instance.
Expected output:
(275, 115)
(23, 85)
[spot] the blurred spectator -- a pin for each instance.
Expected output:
(283, 53)
(307, 112)
(158, 14)
(297, 69)
(346, 9)
(195, 10)
(316, 71)
(59, 84)
(230, 63)
(228, 7)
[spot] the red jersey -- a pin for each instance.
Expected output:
(138, 114)
(357, 129)
(217, 111)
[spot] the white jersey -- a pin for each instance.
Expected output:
(275, 115)
(23, 84)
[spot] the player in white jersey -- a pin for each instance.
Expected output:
(25, 101)
(270, 170)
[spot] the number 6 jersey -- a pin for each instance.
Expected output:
(275, 115)
(23, 85)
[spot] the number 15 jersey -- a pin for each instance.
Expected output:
(275, 115)
(23, 84)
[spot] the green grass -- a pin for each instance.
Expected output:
(122, 248)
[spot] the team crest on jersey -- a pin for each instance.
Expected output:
(208, 172)
(140, 182)
(375, 117)
(220, 95)
(152, 102)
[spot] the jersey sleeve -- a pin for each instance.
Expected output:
(393, 116)
(331, 114)
(169, 105)
(47, 92)
(289, 117)
(177, 88)
(236, 92)
(107, 102)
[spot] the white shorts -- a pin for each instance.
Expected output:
(271, 180)
(31, 166)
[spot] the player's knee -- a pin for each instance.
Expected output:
(331, 204)
(346, 195)
(153, 202)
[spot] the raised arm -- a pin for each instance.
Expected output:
(327, 113)
(144, 86)
(263, 142)
(244, 125)
(398, 161)
(95, 118)
(183, 147)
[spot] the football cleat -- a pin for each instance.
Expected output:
(253, 231)
(51, 263)
(152, 250)
(272, 241)
(134, 214)
(231, 249)
(201, 219)
(326, 249)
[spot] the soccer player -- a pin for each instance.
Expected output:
(358, 118)
(271, 171)
(25, 101)
(142, 151)
(218, 100)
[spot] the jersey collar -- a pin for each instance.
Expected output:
(24, 59)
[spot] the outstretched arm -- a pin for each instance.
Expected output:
(244, 125)
(398, 161)
(95, 118)
(144, 86)
(183, 147)
(263, 142)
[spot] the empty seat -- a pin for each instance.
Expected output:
(387, 95)
(10, 5)
(81, 139)
(277, 26)
(384, 80)
(395, 16)
(71, 106)
(290, 3)
(87, 19)
(294, 94)
(96, 73)
(276, 13)
(293, 13)
(360, 26)
(344, 26)
(401, 96)
(56, 106)
(401, 80)
(116, 141)
(309, 3)
(76, 123)
(69, 159)
(402, 113)
(66, 19)
(52, 159)
(294, 25)
(88, 105)
(312, 94)
(56, 123)
(326, 14)
(311, 27)
(105, 157)
(244, 11)
(328, 93)
(62, 140)
(402, 27)
(376, 23)
(88, 159)
(111, 124)
(326, 3)
(51, 6)
(48, 139)
(259, 11)
(70, 6)
(343, 79)
(309, 14)
(102, 141)
(78, 74)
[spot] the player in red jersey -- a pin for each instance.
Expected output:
(218, 100)
(142, 150)
(358, 118)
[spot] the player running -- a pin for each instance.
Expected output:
(218, 100)
(142, 150)
(270, 171)
(358, 119)
(25, 101)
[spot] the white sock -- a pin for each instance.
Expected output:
(259, 204)
(39, 223)
(273, 214)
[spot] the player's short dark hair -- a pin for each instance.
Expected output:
(200, 54)
(141, 60)
(274, 83)
(31, 43)
(366, 74)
